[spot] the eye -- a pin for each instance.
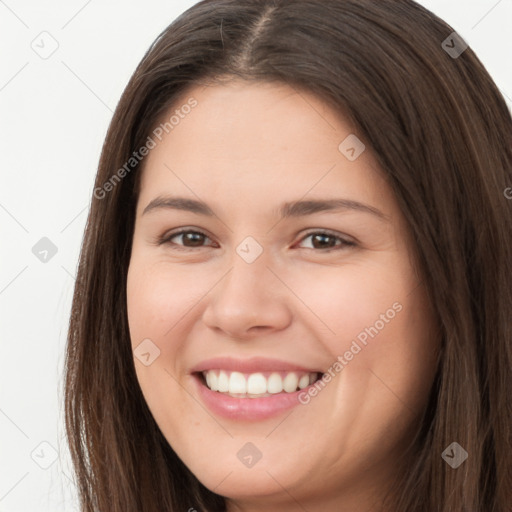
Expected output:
(327, 241)
(190, 239)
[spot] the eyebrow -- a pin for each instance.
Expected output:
(289, 209)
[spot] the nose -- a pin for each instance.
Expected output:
(249, 301)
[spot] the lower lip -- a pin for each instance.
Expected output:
(251, 409)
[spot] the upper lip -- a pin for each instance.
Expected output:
(252, 365)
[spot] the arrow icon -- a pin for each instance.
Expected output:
(249, 455)
(454, 455)
(44, 455)
(454, 45)
(351, 147)
(146, 352)
(44, 44)
(44, 250)
(249, 253)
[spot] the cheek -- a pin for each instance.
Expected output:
(158, 299)
(159, 296)
(351, 302)
(378, 320)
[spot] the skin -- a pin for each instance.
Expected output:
(245, 149)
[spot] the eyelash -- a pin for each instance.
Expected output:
(166, 239)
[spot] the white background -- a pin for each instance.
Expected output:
(54, 117)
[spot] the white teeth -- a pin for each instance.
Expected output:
(212, 381)
(223, 382)
(275, 383)
(290, 383)
(237, 383)
(304, 382)
(258, 384)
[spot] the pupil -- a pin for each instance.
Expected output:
(323, 238)
(194, 237)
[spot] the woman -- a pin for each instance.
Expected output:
(294, 291)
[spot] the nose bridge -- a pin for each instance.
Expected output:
(246, 297)
(248, 280)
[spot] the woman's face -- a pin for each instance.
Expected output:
(295, 263)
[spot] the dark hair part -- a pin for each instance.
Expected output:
(441, 133)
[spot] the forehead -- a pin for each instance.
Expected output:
(260, 142)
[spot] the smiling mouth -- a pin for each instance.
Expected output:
(258, 384)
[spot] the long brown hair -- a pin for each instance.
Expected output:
(441, 132)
